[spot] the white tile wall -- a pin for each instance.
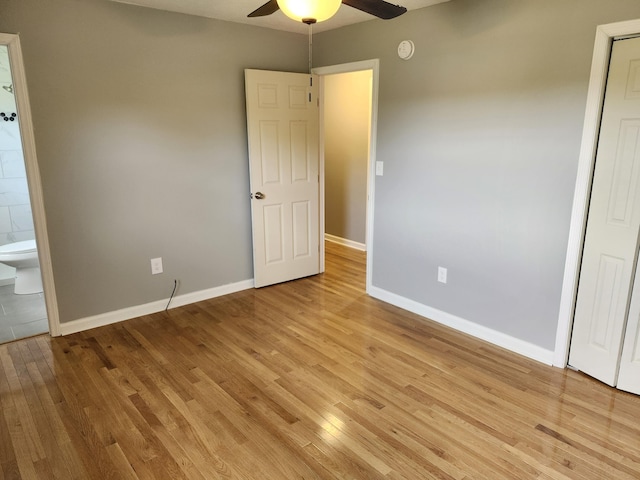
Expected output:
(21, 218)
(16, 218)
(10, 136)
(5, 220)
(13, 191)
(12, 164)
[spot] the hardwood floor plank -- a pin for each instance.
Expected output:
(19, 416)
(397, 453)
(310, 379)
(592, 451)
(120, 462)
(8, 462)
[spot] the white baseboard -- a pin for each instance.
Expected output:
(343, 241)
(500, 339)
(492, 336)
(149, 308)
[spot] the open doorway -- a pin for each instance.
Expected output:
(348, 119)
(347, 132)
(27, 294)
(275, 247)
(22, 307)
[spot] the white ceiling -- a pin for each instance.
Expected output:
(237, 11)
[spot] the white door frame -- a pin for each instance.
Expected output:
(374, 66)
(605, 35)
(33, 177)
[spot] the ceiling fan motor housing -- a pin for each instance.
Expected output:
(312, 11)
(309, 11)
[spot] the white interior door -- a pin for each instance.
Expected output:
(629, 374)
(283, 126)
(611, 240)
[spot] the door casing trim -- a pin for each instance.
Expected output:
(374, 66)
(12, 42)
(605, 34)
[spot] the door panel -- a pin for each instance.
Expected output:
(629, 375)
(282, 122)
(301, 229)
(269, 153)
(605, 304)
(611, 240)
(273, 234)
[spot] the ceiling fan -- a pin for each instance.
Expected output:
(378, 8)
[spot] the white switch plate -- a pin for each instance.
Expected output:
(379, 169)
(442, 275)
(156, 265)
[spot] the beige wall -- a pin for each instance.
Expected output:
(347, 110)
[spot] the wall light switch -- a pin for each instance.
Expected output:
(156, 266)
(379, 169)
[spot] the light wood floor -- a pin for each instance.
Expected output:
(311, 379)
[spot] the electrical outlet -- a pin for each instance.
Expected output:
(156, 266)
(442, 275)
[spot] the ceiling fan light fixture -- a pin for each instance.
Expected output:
(309, 11)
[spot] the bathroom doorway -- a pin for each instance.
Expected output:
(20, 315)
(22, 215)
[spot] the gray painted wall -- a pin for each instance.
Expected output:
(347, 118)
(479, 134)
(140, 130)
(141, 138)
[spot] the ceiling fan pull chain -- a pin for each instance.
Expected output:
(310, 46)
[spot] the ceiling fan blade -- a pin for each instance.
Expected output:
(377, 8)
(267, 9)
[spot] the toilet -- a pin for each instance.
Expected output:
(23, 256)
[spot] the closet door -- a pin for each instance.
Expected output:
(611, 240)
(629, 374)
